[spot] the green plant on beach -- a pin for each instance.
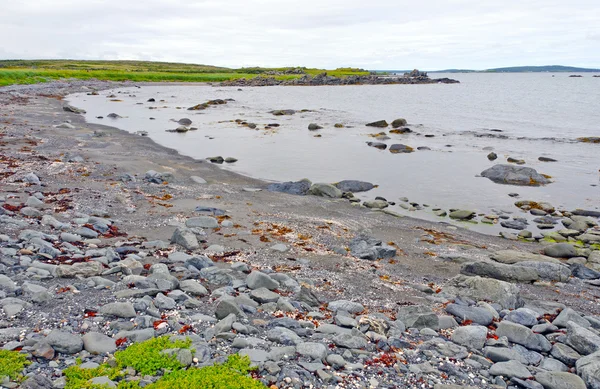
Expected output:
(11, 364)
(232, 374)
(81, 378)
(147, 357)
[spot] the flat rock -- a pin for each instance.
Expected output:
(354, 186)
(258, 279)
(511, 257)
(478, 315)
(124, 310)
(515, 175)
(582, 340)
(510, 369)
(64, 342)
(202, 222)
(479, 288)
(97, 343)
(500, 271)
(473, 337)
(561, 250)
(588, 369)
(559, 380)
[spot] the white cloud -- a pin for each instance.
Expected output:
(380, 34)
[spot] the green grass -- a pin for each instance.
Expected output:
(36, 71)
(11, 364)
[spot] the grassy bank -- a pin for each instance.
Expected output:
(36, 71)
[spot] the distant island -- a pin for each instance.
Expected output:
(525, 69)
(513, 69)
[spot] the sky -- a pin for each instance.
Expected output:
(370, 34)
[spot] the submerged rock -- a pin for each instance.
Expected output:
(400, 148)
(378, 124)
(515, 175)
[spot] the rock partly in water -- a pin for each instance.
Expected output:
(354, 186)
(515, 175)
(299, 188)
(379, 124)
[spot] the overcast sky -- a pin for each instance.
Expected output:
(375, 34)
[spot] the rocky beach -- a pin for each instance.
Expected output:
(110, 242)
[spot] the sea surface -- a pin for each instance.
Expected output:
(522, 115)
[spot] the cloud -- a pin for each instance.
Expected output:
(380, 34)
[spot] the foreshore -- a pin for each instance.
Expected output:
(135, 233)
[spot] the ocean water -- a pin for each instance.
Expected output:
(532, 115)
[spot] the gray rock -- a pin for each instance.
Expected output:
(503, 354)
(345, 305)
(565, 354)
(500, 271)
(349, 341)
(193, 287)
(124, 310)
(280, 247)
(477, 315)
(524, 336)
(227, 307)
(284, 336)
(515, 175)
(552, 364)
(418, 316)
(584, 341)
(64, 342)
(163, 302)
(225, 324)
(325, 190)
(549, 271)
(561, 250)
(512, 257)
(314, 127)
(523, 316)
(462, 214)
(256, 356)
(80, 269)
(315, 351)
(264, 295)
(354, 186)
(103, 381)
(299, 188)
(31, 178)
(567, 315)
(559, 380)
(510, 369)
(588, 369)
(185, 238)
(473, 337)
(479, 288)
(97, 343)
(6, 284)
(258, 279)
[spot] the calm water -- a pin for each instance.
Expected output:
(539, 114)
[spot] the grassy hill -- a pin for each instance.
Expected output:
(524, 69)
(34, 71)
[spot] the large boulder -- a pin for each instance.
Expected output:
(588, 368)
(299, 188)
(500, 271)
(325, 190)
(515, 175)
(354, 186)
(64, 342)
(185, 238)
(559, 380)
(479, 288)
(511, 257)
(418, 316)
(581, 339)
(561, 250)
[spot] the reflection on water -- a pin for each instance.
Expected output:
(537, 115)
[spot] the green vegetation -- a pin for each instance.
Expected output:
(81, 378)
(230, 375)
(147, 358)
(36, 71)
(12, 364)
